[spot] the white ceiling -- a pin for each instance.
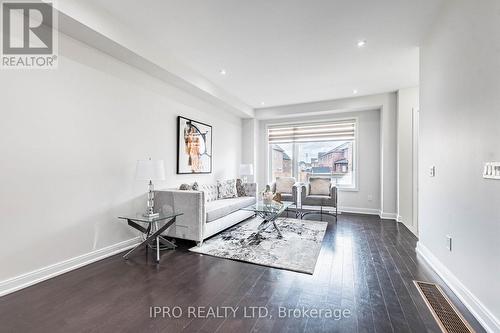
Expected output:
(286, 51)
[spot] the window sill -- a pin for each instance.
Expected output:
(347, 189)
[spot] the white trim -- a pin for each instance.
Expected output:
(485, 317)
(358, 210)
(387, 216)
(28, 279)
(399, 219)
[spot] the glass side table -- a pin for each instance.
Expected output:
(152, 232)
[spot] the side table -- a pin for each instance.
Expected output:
(152, 232)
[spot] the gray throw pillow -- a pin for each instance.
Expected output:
(187, 187)
(240, 189)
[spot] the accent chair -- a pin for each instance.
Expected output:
(319, 192)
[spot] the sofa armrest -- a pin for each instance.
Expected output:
(250, 189)
(191, 204)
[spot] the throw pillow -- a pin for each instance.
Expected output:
(187, 187)
(319, 186)
(240, 189)
(210, 191)
(285, 184)
(227, 189)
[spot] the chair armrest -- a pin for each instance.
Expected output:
(333, 195)
(250, 189)
(299, 188)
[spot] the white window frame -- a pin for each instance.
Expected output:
(350, 188)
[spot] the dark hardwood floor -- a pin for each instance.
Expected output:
(366, 267)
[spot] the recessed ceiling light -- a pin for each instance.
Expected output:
(262, 103)
(362, 43)
(222, 72)
(355, 91)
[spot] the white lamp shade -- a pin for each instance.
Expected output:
(150, 170)
(246, 169)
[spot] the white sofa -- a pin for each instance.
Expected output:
(204, 215)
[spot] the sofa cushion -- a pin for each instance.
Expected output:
(315, 200)
(319, 186)
(285, 184)
(286, 197)
(220, 208)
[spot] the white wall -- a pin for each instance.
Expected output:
(250, 132)
(69, 141)
(459, 126)
(368, 164)
(407, 106)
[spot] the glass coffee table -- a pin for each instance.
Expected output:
(269, 212)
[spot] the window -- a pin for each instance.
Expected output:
(314, 150)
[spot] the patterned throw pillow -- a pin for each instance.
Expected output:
(210, 191)
(240, 189)
(227, 189)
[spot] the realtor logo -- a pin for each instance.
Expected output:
(28, 35)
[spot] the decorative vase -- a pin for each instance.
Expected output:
(267, 197)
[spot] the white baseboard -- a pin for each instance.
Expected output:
(388, 216)
(399, 218)
(357, 210)
(25, 280)
(478, 310)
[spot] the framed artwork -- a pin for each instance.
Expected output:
(194, 146)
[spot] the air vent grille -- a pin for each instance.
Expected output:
(446, 315)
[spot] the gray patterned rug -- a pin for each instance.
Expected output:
(297, 251)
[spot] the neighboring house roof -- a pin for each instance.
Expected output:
(321, 170)
(278, 148)
(343, 161)
(336, 149)
(281, 150)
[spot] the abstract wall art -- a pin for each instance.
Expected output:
(194, 146)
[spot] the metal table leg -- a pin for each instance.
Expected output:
(152, 236)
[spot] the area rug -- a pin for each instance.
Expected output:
(297, 251)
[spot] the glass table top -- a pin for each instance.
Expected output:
(268, 207)
(139, 217)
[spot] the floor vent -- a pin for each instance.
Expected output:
(445, 313)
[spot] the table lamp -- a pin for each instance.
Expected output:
(150, 170)
(246, 170)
